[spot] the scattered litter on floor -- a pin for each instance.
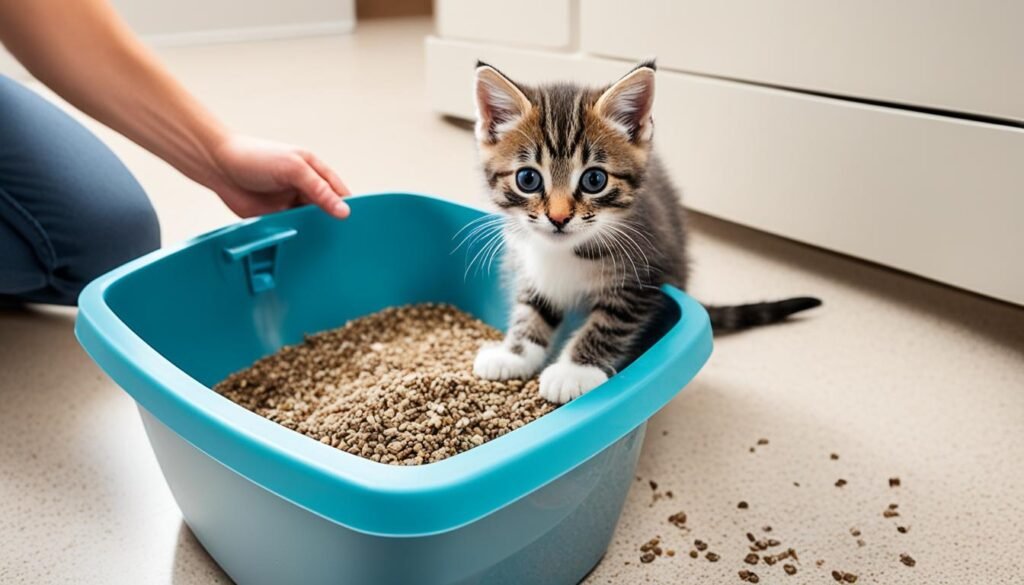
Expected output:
(764, 552)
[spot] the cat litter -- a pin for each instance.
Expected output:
(395, 386)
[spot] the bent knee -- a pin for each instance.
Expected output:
(133, 227)
(118, 228)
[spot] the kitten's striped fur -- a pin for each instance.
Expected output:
(607, 251)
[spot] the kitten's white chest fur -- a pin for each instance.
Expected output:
(563, 278)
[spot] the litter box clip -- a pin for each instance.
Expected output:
(260, 258)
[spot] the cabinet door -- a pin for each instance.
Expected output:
(962, 56)
(537, 23)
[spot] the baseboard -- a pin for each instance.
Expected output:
(257, 33)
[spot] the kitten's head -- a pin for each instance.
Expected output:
(564, 162)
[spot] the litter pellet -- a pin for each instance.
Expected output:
(894, 482)
(653, 484)
(907, 560)
(854, 532)
(766, 528)
(678, 519)
(844, 577)
(902, 529)
(762, 441)
(742, 505)
(700, 545)
(834, 456)
(789, 569)
(396, 386)
(840, 482)
(670, 552)
(694, 554)
(713, 557)
(647, 557)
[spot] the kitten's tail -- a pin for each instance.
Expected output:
(736, 317)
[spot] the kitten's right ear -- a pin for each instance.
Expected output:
(500, 104)
(627, 103)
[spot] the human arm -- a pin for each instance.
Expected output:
(84, 52)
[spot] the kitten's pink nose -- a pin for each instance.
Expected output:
(559, 219)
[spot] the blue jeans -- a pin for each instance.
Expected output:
(69, 209)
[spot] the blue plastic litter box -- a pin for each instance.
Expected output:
(536, 506)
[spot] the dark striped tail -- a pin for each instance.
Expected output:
(736, 317)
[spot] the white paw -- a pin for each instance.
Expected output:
(561, 382)
(497, 362)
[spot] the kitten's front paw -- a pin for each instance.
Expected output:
(497, 362)
(562, 382)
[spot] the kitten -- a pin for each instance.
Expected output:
(590, 221)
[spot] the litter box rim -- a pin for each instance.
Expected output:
(371, 497)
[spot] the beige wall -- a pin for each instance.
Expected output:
(219, 20)
(164, 22)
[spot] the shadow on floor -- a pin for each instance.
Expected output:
(192, 564)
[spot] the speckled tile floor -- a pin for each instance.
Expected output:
(898, 376)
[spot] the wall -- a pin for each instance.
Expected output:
(180, 22)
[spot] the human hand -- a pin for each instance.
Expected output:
(254, 177)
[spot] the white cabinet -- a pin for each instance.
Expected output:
(536, 23)
(936, 195)
(945, 54)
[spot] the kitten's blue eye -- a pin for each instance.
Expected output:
(529, 180)
(593, 181)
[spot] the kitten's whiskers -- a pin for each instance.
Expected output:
(484, 224)
(634, 245)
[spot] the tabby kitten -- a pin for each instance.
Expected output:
(590, 221)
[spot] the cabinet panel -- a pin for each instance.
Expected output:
(537, 23)
(944, 54)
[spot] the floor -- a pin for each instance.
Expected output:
(897, 376)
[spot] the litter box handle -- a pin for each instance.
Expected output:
(260, 257)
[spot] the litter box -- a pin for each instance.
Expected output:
(535, 506)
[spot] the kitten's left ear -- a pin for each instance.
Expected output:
(500, 104)
(627, 103)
